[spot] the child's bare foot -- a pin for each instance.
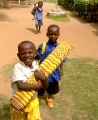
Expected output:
(36, 32)
(39, 31)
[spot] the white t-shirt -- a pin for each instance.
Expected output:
(21, 72)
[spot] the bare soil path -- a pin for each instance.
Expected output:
(16, 25)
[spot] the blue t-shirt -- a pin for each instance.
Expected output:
(38, 13)
(55, 76)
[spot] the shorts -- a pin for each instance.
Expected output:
(51, 90)
(31, 112)
(38, 22)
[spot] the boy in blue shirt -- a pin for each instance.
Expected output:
(53, 79)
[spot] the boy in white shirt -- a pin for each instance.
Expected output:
(21, 72)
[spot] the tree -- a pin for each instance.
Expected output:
(5, 3)
(26, 2)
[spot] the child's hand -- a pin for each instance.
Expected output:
(15, 106)
(39, 75)
(61, 73)
(40, 83)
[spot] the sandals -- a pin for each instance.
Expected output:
(50, 103)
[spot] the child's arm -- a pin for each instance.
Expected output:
(35, 3)
(26, 86)
(61, 69)
(39, 52)
(41, 76)
(42, 82)
(61, 66)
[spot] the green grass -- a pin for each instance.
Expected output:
(81, 80)
(50, 1)
(78, 96)
(4, 108)
(6, 70)
(61, 18)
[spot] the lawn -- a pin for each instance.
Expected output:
(78, 96)
(60, 18)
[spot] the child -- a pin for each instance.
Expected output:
(21, 72)
(53, 79)
(34, 8)
(38, 16)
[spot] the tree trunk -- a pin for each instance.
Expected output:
(26, 2)
(19, 2)
(5, 3)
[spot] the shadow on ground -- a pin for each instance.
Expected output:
(82, 20)
(96, 27)
(4, 17)
(31, 29)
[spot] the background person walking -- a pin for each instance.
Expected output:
(38, 16)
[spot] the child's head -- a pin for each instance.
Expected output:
(40, 4)
(27, 52)
(53, 33)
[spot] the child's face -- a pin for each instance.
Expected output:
(26, 54)
(40, 4)
(53, 34)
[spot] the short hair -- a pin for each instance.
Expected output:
(25, 42)
(40, 2)
(52, 26)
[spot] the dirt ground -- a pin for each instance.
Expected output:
(16, 25)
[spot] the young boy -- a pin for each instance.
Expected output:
(34, 8)
(38, 16)
(53, 79)
(21, 72)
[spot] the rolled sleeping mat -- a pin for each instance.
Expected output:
(22, 98)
